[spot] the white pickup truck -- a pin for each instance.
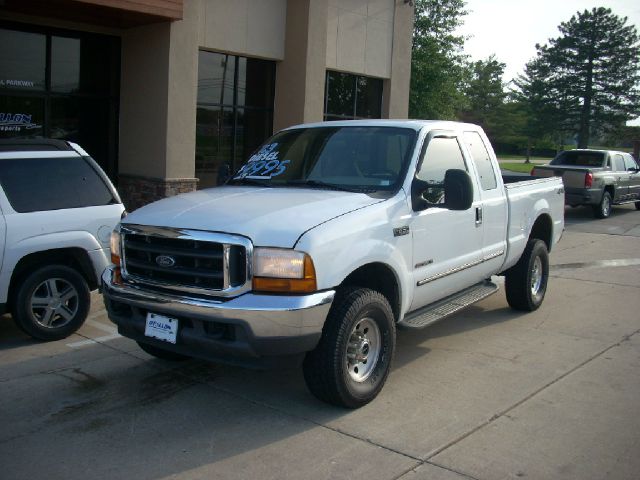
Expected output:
(331, 236)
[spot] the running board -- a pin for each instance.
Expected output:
(448, 306)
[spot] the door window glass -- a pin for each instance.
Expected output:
(618, 161)
(481, 159)
(630, 163)
(442, 154)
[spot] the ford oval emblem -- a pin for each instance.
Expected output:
(165, 261)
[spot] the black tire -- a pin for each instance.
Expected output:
(603, 209)
(161, 353)
(351, 362)
(52, 302)
(526, 281)
(637, 205)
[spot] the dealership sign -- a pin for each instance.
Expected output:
(16, 122)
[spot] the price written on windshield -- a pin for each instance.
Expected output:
(264, 164)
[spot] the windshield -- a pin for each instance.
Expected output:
(579, 159)
(344, 158)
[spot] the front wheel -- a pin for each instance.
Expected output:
(637, 205)
(351, 363)
(526, 281)
(52, 302)
(603, 209)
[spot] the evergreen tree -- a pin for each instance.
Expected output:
(592, 72)
(548, 112)
(437, 63)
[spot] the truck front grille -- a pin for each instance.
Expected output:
(179, 259)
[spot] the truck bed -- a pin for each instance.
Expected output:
(527, 195)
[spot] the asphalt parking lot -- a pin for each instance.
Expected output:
(487, 394)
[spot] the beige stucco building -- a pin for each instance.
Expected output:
(168, 95)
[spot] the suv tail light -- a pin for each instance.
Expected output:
(588, 180)
(533, 172)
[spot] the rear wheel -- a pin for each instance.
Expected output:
(603, 209)
(526, 281)
(52, 302)
(351, 363)
(637, 205)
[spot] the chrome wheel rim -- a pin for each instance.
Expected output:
(606, 206)
(54, 303)
(363, 349)
(536, 277)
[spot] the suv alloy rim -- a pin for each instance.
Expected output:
(363, 349)
(54, 303)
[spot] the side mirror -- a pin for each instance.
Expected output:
(456, 193)
(458, 190)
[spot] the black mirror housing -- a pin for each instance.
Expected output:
(458, 190)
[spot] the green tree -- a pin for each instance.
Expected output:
(438, 65)
(547, 113)
(485, 96)
(593, 71)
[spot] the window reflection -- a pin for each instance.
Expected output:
(65, 64)
(350, 96)
(234, 114)
(22, 60)
(78, 101)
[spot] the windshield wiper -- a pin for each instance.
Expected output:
(331, 186)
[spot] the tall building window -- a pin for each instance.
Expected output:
(234, 114)
(348, 96)
(61, 84)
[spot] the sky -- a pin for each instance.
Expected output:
(510, 29)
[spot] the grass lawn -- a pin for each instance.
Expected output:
(516, 167)
(508, 158)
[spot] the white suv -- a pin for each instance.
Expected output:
(57, 211)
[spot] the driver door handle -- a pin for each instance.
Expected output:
(478, 216)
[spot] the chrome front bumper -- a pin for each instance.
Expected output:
(249, 326)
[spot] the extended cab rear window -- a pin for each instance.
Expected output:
(580, 159)
(39, 184)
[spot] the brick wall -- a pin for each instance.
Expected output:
(139, 191)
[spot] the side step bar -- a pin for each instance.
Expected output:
(448, 306)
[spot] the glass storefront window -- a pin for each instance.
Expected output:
(61, 84)
(350, 96)
(23, 59)
(234, 114)
(65, 64)
(21, 116)
(215, 78)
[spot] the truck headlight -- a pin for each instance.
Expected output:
(283, 270)
(114, 244)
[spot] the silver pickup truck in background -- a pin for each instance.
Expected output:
(600, 178)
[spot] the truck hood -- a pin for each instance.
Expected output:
(268, 216)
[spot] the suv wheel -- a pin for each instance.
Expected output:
(52, 302)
